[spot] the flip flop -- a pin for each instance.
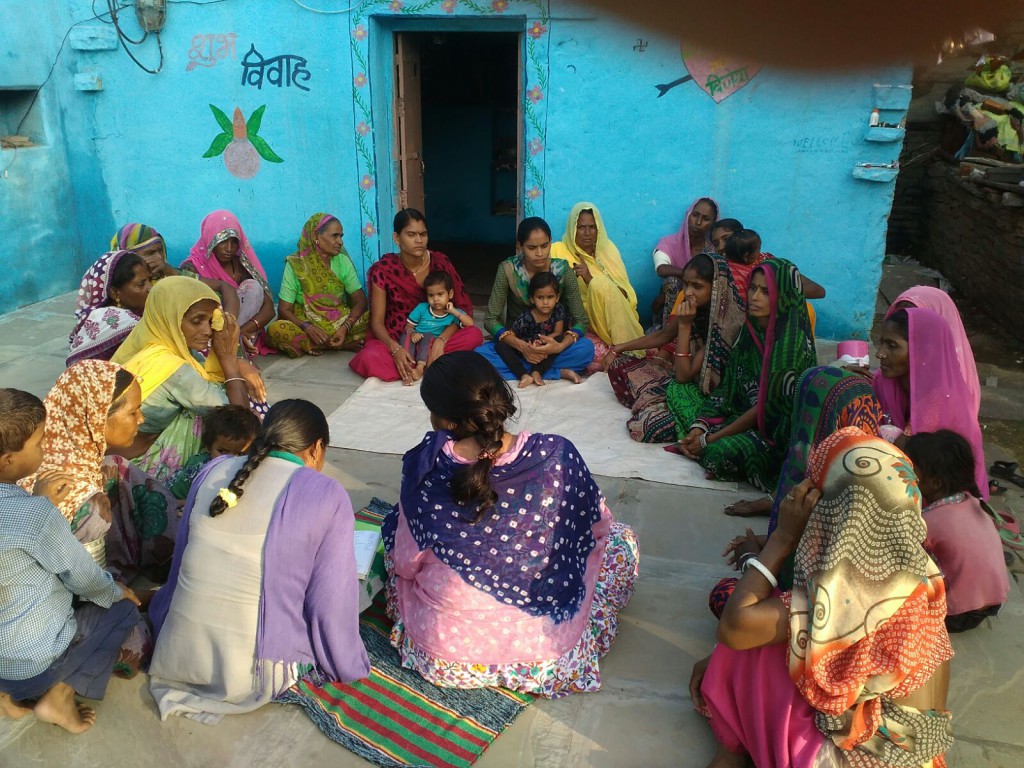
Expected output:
(1007, 470)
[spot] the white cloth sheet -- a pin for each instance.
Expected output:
(384, 417)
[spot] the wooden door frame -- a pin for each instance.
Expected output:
(389, 27)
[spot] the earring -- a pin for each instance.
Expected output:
(117, 301)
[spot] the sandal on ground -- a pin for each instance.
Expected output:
(995, 489)
(1007, 470)
(1008, 527)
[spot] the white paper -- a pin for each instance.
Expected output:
(366, 548)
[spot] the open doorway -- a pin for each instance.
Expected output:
(466, 169)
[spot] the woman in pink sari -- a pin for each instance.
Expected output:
(674, 252)
(223, 252)
(921, 384)
(926, 297)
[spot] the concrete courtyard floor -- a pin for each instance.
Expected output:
(643, 716)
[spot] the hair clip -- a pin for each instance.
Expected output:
(228, 496)
(486, 455)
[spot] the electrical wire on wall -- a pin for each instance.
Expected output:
(113, 8)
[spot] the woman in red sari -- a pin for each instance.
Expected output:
(396, 287)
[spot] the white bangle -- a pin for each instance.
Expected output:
(769, 576)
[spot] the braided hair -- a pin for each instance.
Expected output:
(464, 388)
(290, 425)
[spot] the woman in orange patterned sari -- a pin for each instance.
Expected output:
(850, 668)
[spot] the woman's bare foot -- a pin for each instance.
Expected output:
(10, 709)
(750, 508)
(725, 759)
(58, 706)
(570, 375)
(538, 378)
(525, 381)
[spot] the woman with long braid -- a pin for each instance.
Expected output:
(505, 566)
(263, 588)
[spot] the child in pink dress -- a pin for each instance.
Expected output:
(961, 538)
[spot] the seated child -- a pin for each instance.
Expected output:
(228, 430)
(49, 650)
(548, 317)
(961, 537)
(430, 318)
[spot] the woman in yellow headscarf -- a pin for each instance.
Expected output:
(608, 297)
(179, 385)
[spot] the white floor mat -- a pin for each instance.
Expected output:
(390, 418)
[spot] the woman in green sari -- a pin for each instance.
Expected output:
(322, 303)
(742, 429)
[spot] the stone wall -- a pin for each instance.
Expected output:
(977, 243)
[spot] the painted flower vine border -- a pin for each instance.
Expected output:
(534, 102)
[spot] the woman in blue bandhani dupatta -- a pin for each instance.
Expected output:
(505, 566)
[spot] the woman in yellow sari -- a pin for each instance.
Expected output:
(608, 297)
(165, 351)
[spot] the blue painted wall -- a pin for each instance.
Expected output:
(778, 154)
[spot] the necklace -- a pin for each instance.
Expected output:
(423, 264)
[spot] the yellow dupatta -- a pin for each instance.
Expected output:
(156, 347)
(606, 259)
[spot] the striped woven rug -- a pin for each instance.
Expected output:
(395, 717)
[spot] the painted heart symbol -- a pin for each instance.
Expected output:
(718, 75)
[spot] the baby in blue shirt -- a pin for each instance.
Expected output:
(429, 320)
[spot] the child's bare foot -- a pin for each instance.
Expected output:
(525, 381)
(11, 709)
(58, 706)
(537, 378)
(570, 375)
(417, 372)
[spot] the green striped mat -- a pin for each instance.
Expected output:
(396, 718)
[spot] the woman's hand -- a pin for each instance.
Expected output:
(54, 484)
(748, 543)
(690, 445)
(337, 341)
(530, 353)
(317, 336)
(700, 668)
(687, 312)
(225, 341)
(547, 345)
(795, 510)
(404, 363)
(609, 358)
(253, 381)
(583, 272)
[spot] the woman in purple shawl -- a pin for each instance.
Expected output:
(673, 252)
(263, 588)
(505, 566)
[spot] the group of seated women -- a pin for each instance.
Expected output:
(505, 566)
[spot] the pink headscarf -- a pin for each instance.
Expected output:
(939, 397)
(677, 246)
(201, 256)
(925, 297)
